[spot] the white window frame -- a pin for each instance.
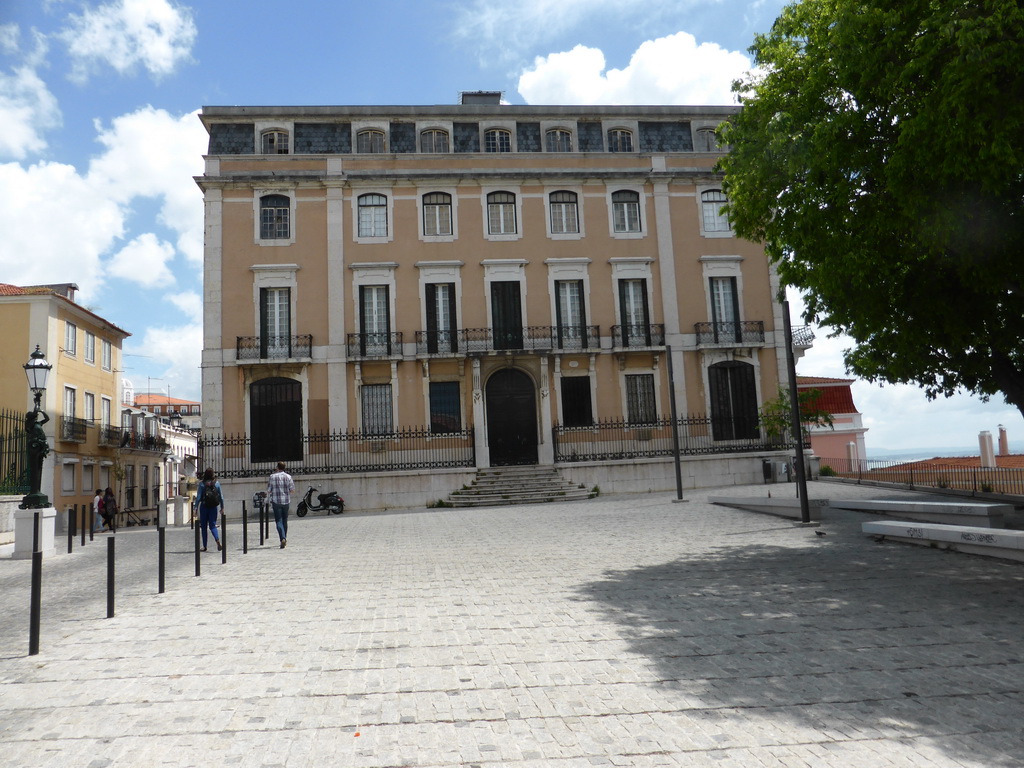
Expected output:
(374, 133)
(641, 211)
(421, 213)
(106, 404)
(68, 486)
(274, 276)
(432, 272)
(718, 267)
(421, 128)
(358, 126)
(633, 126)
(70, 339)
(499, 125)
(259, 194)
(569, 270)
(107, 351)
(261, 127)
(547, 130)
(578, 191)
(623, 376)
(90, 347)
(713, 233)
(374, 274)
(505, 271)
(485, 192)
(89, 407)
(276, 133)
(389, 236)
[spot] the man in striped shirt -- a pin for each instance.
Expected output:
(279, 494)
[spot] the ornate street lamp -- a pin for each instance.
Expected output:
(175, 419)
(37, 371)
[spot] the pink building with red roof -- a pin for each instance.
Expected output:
(845, 440)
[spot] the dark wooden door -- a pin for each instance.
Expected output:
(511, 418)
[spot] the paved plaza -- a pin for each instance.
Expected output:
(621, 631)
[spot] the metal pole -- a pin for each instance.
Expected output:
(110, 576)
(83, 531)
(263, 508)
(794, 403)
(223, 536)
(196, 529)
(162, 537)
(35, 604)
(90, 520)
(675, 424)
(245, 529)
(71, 530)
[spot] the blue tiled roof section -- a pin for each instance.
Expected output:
(403, 137)
(232, 139)
(665, 137)
(466, 138)
(591, 138)
(528, 137)
(322, 139)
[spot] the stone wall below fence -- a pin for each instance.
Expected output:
(410, 489)
(8, 505)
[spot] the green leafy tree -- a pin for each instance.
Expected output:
(776, 414)
(879, 156)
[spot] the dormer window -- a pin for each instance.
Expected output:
(558, 140)
(497, 140)
(275, 142)
(370, 142)
(434, 141)
(620, 140)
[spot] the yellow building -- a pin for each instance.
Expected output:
(507, 283)
(93, 443)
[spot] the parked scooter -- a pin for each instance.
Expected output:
(330, 501)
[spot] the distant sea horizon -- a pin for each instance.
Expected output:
(920, 454)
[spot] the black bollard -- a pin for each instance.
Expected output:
(88, 520)
(223, 536)
(71, 530)
(83, 531)
(263, 511)
(110, 577)
(162, 537)
(35, 604)
(245, 529)
(196, 529)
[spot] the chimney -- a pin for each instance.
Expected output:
(1004, 443)
(988, 458)
(480, 97)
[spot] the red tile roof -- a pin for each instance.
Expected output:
(6, 289)
(834, 395)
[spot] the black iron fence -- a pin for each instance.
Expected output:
(915, 474)
(613, 440)
(13, 462)
(530, 338)
(336, 452)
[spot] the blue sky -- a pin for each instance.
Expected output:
(100, 139)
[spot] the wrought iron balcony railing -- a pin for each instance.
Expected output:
(139, 441)
(634, 336)
(532, 338)
(274, 347)
(110, 436)
(803, 337)
(375, 345)
(72, 429)
(729, 334)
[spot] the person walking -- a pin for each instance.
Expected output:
(209, 502)
(279, 494)
(97, 509)
(110, 509)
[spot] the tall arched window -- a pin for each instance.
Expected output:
(373, 216)
(564, 219)
(501, 213)
(437, 214)
(274, 217)
(712, 202)
(625, 211)
(275, 420)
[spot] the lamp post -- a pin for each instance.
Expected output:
(37, 370)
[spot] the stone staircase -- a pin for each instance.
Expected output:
(500, 486)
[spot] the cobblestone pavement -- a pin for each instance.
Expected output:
(622, 631)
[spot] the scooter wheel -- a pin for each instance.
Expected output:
(302, 509)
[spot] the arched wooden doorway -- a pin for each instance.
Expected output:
(511, 418)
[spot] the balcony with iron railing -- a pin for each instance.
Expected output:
(140, 441)
(730, 334)
(274, 348)
(110, 436)
(72, 429)
(374, 346)
(638, 336)
(532, 338)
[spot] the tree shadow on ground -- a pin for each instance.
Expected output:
(846, 642)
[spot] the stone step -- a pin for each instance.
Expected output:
(486, 501)
(497, 486)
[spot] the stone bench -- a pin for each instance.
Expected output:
(1008, 545)
(946, 512)
(785, 507)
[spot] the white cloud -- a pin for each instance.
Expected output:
(55, 227)
(150, 153)
(144, 261)
(9, 34)
(669, 70)
(190, 303)
(154, 34)
(179, 348)
(27, 110)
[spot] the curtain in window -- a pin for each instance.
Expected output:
(275, 323)
(640, 405)
(725, 309)
(570, 314)
(375, 326)
(441, 322)
(636, 329)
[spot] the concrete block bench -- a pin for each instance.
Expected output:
(945, 512)
(787, 507)
(1008, 545)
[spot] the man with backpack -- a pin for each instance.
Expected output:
(209, 502)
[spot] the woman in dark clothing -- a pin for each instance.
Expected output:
(209, 502)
